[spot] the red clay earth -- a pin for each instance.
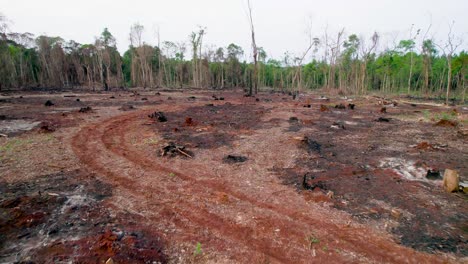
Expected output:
(265, 180)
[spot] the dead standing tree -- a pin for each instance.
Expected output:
(449, 49)
(196, 38)
(427, 49)
(297, 79)
(335, 51)
(366, 53)
(254, 86)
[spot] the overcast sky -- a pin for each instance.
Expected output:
(280, 24)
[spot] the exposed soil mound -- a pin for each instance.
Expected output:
(446, 123)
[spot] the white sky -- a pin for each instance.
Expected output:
(280, 24)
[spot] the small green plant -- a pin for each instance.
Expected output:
(427, 114)
(11, 145)
(325, 248)
(447, 116)
(198, 249)
(451, 115)
(172, 175)
(312, 239)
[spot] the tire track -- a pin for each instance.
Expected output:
(111, 134)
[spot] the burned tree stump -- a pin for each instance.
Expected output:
(309, 182)
(159, 116)
(86, 109)
(172, 149)
(383, 120)
(234, 159)
(340, 106)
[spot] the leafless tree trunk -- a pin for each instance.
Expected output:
(298, 73)
(449, 49)
(254, 85)
(366, 53)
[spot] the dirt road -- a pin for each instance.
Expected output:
(205, 210)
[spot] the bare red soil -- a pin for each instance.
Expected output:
(250, 180)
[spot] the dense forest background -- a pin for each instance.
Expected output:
(417, 65)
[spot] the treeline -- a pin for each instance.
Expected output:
(349, 63)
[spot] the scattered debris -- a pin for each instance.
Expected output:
(425, 146)
(294, 125)
(324, 108)
(463, 133)
(340, 106)
(392, 104)
(158, 116)
(383, 119)
(309, 182)
(312, 145)
(433, 175)
(446, 123)
(395, 213)
(86, 109)
(189, 122)
(234, 159)
(383, 110)
(127, 108)
(463, 187)
(451, 180)
(338, 125)
(3, 135)
(49, 103)
(173, 149)
(46, 128)
(305, 181)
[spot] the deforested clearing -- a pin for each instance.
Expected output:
(350, 150)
